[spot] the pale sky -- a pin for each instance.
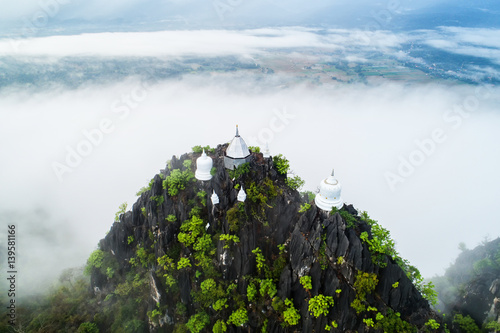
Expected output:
(214, 12)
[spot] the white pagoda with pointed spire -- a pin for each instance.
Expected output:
(242, 196)
(204, 165)
(237, 152)
(329, 195)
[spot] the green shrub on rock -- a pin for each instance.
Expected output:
(320, 305)
(177, 181)
(198, 322)
(238, 317)
(291, 315)
(281, 164)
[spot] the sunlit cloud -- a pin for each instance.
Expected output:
(476, 42)
(206, 42)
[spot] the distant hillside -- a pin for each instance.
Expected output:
(469, 291)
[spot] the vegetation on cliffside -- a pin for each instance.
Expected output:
(274, 263)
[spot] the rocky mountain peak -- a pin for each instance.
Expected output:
(273, 263)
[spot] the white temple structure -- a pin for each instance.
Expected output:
(242, 196)
(215, 198)
(204, 165)
(329, 195)
(237, 152)
(267, 153)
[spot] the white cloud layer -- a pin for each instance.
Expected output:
(477, 42)
(204, 42)
(352, 45)
(365, 132)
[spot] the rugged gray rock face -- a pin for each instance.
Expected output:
(317, 244)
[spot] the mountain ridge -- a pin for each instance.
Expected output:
(275, 262)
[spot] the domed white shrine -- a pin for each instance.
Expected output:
(237, 152)
(204, 165)
(329, 195)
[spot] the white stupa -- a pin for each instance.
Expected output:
(215, 198)
(329, 195)
(242, 196)
(267, 153)
(237, 152)
(204, 165)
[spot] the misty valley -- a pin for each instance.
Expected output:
(208, 166)
(361, 60)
